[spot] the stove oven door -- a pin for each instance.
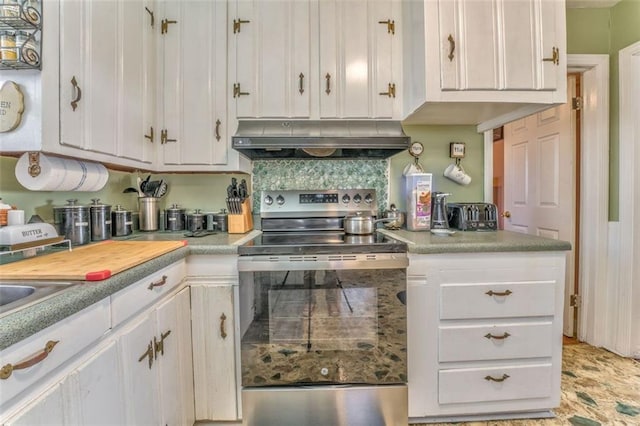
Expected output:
(328, 320)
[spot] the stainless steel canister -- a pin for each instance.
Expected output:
(195, 221)
(100, 220)
(221, 220)
(149, 213)
(210, 222)
(174, 217)
(121, 222)
(72, 221)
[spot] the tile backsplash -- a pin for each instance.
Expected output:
(321, 174)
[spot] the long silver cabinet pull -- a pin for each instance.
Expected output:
(77, 92)
(8, 369)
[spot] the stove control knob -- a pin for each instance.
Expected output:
(324, 371)
(280, 200)
(357, 198)
(268, 200)
(368, 199)
(346, 199)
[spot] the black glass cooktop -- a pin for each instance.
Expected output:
(325, 242)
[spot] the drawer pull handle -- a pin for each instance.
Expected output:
(148, 354)
(158, 283)
(498, 293)
(223, 331)
(32, 360)
(491, 336)
(328, 86)
(218, 123)
(499, 379)
(77, 92)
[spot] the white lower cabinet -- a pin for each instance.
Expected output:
(485, 333)
(155, 354)
(138, 372)
(214, 286)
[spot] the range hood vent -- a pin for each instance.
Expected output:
(330, 139)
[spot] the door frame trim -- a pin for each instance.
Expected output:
(594, 187)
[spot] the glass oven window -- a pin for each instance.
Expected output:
(323, 326)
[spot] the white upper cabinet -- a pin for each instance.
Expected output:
(194, 132)
(106, 78)
(483, 61)
(307, 59)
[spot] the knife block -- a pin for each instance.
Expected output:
(241, 223)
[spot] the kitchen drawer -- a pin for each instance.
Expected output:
(487, 342)
(72, 335)
(467, 385)
(497, 300)
(143, 293)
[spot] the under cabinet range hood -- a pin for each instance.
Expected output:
(330, 139)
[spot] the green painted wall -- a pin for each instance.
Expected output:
(606, 31)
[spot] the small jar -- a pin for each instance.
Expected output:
(8, 51)
(10, 8)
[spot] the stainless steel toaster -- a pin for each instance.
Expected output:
(473, 216)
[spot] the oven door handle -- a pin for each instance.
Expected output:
(311, 263)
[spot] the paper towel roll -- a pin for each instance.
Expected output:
(62, 174)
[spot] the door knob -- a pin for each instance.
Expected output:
(506, 214)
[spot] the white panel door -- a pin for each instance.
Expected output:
(47, 409)
(139, 373)
(94, 390)
(273, 53)
(214, 362)
(539, 186)
(174, 363)
(137, 89)
(194, 79)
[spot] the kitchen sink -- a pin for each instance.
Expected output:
(19, 294)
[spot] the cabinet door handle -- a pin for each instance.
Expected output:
(391, 26)
(148, 354)
(223, 328)
(237, 92)
(77, 92)
(498, 293)
(150, 135)
(162, 281)
(164, 27)
(391, 91)
(164, 137)
(452, 47)
(499, 379)
(151, 14)
(492, 336)
(158, 345)
(555, 56)
(7, 370)
(218, 123)
(237, 23)
(301, 83)
(328, 79)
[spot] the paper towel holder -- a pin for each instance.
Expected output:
(34, 168)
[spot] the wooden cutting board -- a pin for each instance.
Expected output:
(94, 262)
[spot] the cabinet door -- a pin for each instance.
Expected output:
(93, 392)
(214, 363)
(356, 59)
(194, 64)
(89, 74)
(137, 361)
(497, 45)
(47, 409)
(273, 54)
(174, 361)
(137, 132)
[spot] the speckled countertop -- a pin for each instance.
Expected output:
(27, 321)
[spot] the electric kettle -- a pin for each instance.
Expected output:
(439, 211)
